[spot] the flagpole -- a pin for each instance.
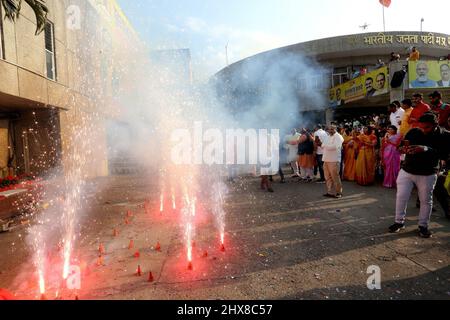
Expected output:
(384, 21)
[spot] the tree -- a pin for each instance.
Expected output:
(13, 7)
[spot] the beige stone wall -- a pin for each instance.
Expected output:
(80, 91)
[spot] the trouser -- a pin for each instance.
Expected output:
(280, 172)
(319, 167)
(294, 166)
(425, 186)
(332, 177)
(306, 173)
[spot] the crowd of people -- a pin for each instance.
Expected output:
(409, 148)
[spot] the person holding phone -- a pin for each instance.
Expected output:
(424, 147)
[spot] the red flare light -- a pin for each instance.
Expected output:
(190, 267)
(137, 254)
(222, 247)
(158, 247)
(43, 297)
(205, 254)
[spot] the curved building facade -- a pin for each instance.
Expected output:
(340, 61)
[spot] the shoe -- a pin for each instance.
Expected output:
(396, 227)
(328, 195)
(309, 180)
(296, 176)
(270, 190)
(338, 196)
(424, 232)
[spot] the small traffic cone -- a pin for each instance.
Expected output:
(76, 298)
(139, 271)
(205, 254)
(127, 221)
(115, 232)
(131, 244)
(43, 297)
(137, 254)
(100, 261)
(190, 267)
(222, 247)
(101, 248)
(129, 213)
(150, 277)
(158, 247)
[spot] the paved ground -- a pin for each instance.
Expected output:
(292, 244)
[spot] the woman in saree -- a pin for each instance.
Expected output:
(390, 156)
(366, 161)
(350, 148)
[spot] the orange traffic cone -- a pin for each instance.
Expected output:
(101, 248)
(129, 213)
(158, 247)
(131, 244)
(137, 254)
(150, 277)
(190, 267)
(100, 261)
(127, 221)
(139, 271)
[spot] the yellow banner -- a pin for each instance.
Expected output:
(429, 74)
(371, 84)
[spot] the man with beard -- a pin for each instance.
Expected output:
(422, 80)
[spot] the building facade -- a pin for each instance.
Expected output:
(61, 82)
(337, 60)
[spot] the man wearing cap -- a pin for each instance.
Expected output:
(424, 147)
(442, 110)
(419, 109)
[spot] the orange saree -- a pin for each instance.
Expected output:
(366, 162)
(350, 148)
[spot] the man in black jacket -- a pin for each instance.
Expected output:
(424, 147)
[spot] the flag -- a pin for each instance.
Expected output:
(385, 3)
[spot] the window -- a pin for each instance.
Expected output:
(2, 41)
(50, 50)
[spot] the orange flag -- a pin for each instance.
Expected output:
(385, 3)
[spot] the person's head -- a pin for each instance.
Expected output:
(392, 107)
(368, 130)
(417, 97)
(380, 81)
(369, 84)
(428, 122)
(445, 72)
(392, 130)
(422, 71)
(414, 49)
(406, 104)
(318, 127)
(332, 130)
(435, 97)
